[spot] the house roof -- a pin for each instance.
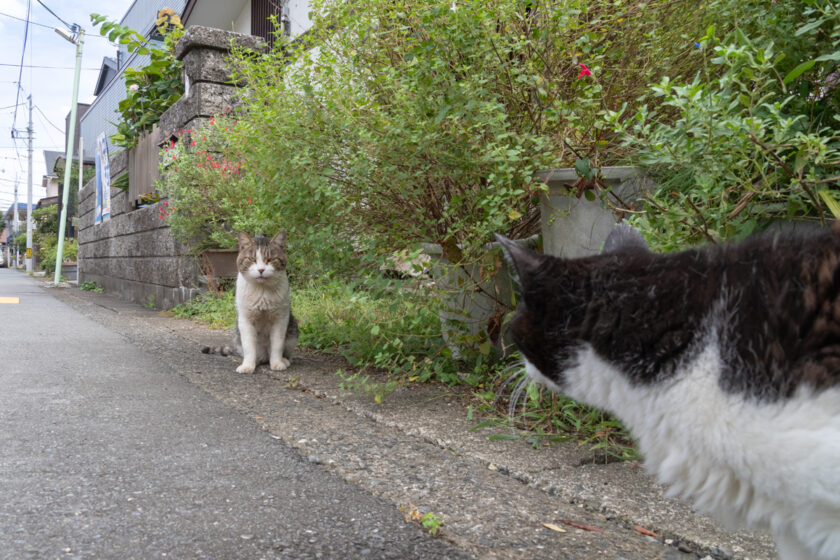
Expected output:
(50, 158)
(107, 72)
(21, 208)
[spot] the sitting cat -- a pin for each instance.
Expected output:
(266, 332)
(723, 361)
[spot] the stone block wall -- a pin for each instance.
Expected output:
(134, 255)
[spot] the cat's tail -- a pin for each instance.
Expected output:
(222, 350)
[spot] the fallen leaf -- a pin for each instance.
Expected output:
(579, 525)
(554, 527)
(644, 531)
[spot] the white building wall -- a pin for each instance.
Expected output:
(242, 23)
(299, 16)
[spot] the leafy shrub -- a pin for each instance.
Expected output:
(152, 89)
(418, 122)
(754, 137)
(49, 248)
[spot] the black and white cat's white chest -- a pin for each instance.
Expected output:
(724, 362)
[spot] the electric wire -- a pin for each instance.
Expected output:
(61, 130)
(22, 55)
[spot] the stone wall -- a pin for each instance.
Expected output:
(133, 255)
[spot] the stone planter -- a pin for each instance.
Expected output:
(577, 227)
(474, 303)
(219, 264)
(69, 270)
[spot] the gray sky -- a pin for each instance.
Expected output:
(48, 76)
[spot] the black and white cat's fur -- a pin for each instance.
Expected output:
(723, 361)
(266, 332)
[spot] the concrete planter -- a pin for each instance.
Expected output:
(219, 264)
(577, 227)
(70, 270)
(474, 303)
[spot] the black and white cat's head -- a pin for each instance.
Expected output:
(551, 291)
(261, 259)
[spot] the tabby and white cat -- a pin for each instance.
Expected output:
(266, 332)
(723, 361)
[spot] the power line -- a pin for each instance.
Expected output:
(51, 27)
(50, 67)
(67, 25)
(61, 130)
(21, 19)
(22, 54)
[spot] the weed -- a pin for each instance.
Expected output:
(430, 521)
(91, 286)
(151, 302)
(218, 311)
(542, 417)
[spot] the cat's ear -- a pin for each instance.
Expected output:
(244, 239)
(624, 238)
(279, 239)
(523, 261)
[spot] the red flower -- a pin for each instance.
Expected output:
(584, 72)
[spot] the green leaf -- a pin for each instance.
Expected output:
(802, 158)
(835, 56)
(374, 330)
(831, 203)
(810, 27)
(798, 71)
(582, 168)
(485, 348)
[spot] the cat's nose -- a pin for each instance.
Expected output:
(260, 270)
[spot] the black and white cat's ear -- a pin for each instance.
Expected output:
(244, 239)
(523, 261)
(624, 238)
(279, 239)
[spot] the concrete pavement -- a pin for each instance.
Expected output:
(108, 453)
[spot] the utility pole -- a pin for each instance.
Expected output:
(77, 39)
(15, 218)
(29, 131)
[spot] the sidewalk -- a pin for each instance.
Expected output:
(416, 451)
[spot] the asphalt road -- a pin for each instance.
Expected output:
(104, 453)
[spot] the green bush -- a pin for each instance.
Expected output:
(49, 248)
(753, 138)
(418, 122)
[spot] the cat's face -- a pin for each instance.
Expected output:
(260, 259)
(554, 301)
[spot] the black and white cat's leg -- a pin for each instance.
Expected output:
(248, 338)
(277, 340)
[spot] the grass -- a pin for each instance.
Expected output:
(542, 417)
(392, 326)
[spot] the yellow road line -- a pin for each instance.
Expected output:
(9, 300)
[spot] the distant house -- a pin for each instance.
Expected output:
(242, 16)
(9, 230)
(55, 172)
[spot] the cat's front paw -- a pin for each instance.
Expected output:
(246, 368)
(280, 365)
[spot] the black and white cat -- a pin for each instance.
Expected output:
(723, 361)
